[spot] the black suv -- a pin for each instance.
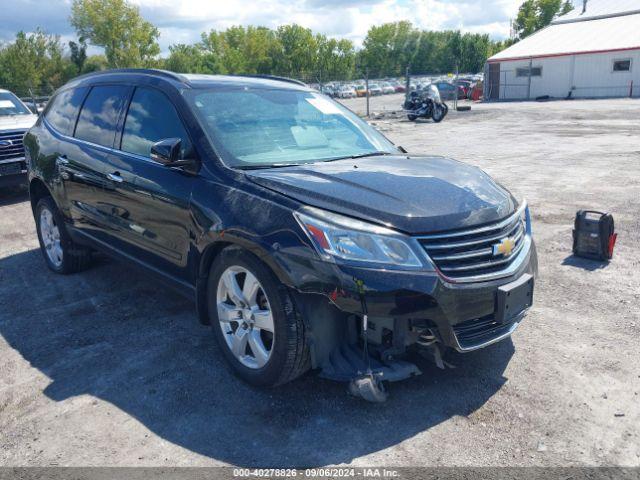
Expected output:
(302, 233)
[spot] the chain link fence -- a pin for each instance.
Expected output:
(376, 96)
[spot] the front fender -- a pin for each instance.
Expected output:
(261, 222)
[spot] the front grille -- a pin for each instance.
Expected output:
(470, 253)
(16, 149)
(474, 333)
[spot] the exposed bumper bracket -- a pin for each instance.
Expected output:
(347, 363)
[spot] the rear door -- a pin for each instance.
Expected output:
(82, 160)
(152, 220)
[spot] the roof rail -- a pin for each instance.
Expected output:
(149, 71)
(274, 77)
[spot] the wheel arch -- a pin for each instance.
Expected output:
(211, 252)
(37, 190)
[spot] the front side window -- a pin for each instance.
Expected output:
(255, 128)
(622, 65)
(99, 116)
(152, 117)
(63, 112)
(10, 105)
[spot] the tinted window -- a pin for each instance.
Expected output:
(152, 117)
(99, 115)
(63, 112)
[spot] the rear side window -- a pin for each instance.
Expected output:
(151, 118)
(99, 116)
(63, 112)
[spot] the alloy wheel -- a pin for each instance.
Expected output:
(50, 234)
(245, 317)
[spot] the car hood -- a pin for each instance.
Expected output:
(411, 194)
(15, 122)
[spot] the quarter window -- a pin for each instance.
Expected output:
(63, 112)
(622, 65)
(99, 116)
(151, 118)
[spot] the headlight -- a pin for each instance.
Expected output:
(338, 237)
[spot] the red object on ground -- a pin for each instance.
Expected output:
(476, 93)
(612, 243)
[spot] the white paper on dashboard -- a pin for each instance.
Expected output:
(325, 106)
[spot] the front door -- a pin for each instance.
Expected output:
(151, 217)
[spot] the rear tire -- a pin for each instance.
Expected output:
(61, 254)
(412, 118)
(438, 113)
(264, 358)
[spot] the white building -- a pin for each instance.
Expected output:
(592, 51)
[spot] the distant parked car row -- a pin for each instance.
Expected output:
(359, 88)
(460, 88)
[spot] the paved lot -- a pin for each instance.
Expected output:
(110, 368)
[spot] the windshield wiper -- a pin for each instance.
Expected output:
(264, 167)
(360, 155)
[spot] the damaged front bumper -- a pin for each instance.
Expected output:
(406, 311)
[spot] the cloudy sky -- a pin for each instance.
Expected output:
(182, 21)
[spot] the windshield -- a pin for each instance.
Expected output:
(11, 105)
(257, 128)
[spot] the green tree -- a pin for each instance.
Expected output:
(249, 50)
(78, 53)
(127, 38)
(186, 59)
(34, 62)
(335, 59)
(297, 51)
(534, 15)
(95, 63)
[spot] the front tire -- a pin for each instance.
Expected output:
(255, 321)
(60, 252)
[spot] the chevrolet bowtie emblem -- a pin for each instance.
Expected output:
(505, 247)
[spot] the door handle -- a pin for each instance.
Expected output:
(115, 177)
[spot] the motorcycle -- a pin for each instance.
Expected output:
(426, 104)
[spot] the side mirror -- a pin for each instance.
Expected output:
(167, 153)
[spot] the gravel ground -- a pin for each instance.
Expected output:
(110, 368)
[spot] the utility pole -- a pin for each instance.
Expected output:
(407, 84)
(366, 86)
(455, 93)
(529, 84)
